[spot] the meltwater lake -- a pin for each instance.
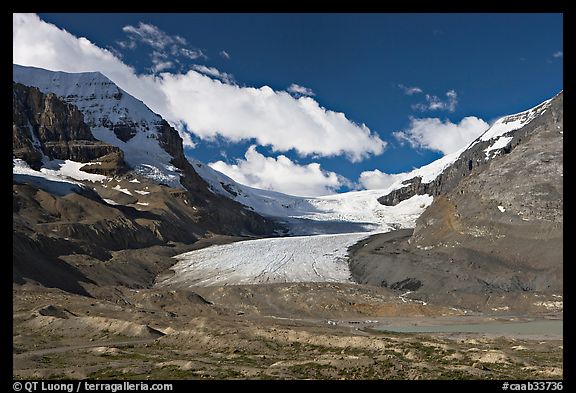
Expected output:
(544, 327)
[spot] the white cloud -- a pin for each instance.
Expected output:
(225, 54)
(213, 72)
(434, 103)
(192, 54)
(281, 174)
(152, 36)
(207, 106)
(300, 90)
(130, 44)
(161, 65)
(160, 62)
(558, 54)
(162, 44)
(377, 180)
(443, 136)
(211, 108)
(410, 90)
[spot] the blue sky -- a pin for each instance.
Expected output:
(386, 71)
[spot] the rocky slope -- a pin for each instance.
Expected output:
(493, 231)
(511, 210)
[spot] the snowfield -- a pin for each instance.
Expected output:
(356, 211)
(290, 259)
(48, 180)
(317, 258)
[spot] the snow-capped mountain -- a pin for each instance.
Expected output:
(93, 203)
(114, 116)
(120, 120)
(119, 183)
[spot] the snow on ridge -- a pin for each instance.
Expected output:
(123, 190)
(98, 98)
(66, 171)
(513, 122)
(70, 169)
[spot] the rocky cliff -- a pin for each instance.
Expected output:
(43, 124)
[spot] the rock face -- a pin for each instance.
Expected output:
(44, 124)
(476, 157)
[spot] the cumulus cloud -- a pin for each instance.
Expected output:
(443, 136)
(298, 90)
(377, 180)
(213, 72)
(211, 108)
(225, 54)
(207, 107)
(281, 174)
(410, 90)
(434, 103)
(558, 54)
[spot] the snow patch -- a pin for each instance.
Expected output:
(144, 155)
(124, 190)
(70, 169)
(551, 305)
(501, 208)
(134, 181)
(142, 203)
(50, 181)
(500, 143)
(110, 201)
(142, 192)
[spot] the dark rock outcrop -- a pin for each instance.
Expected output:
(44, 124)
(510, 208)
(227, 215)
